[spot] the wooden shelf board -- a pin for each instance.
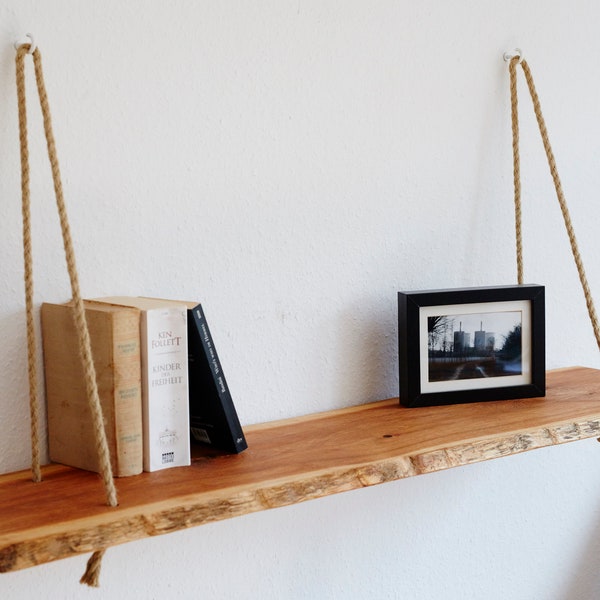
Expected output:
(287, 462)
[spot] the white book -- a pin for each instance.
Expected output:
(164, 358)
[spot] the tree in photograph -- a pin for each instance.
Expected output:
(511, 349)
(437, 328)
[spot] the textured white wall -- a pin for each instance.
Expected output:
(293, 165)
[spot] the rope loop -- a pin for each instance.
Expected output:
(78, 308)
(515, 59)
(516, 53)
(30, 45)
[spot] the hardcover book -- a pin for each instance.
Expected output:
(213, 417)
(115, 343)
(163, 327)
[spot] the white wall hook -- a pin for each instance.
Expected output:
(509, 55)
(31, 42)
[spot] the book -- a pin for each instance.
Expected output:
(165, 414)
(115, 344)
(213, 418)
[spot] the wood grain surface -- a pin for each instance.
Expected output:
(286, 462)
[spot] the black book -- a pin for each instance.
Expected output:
(213, 418)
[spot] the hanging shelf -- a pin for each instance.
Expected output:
(287, 462)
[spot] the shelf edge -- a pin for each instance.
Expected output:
(121, 525)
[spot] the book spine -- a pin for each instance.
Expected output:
(229, 413)
(165, 388)
(127, 393)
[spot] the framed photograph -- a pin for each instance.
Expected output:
(471, 344)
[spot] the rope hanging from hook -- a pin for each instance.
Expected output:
(93, 570)
(515, 60)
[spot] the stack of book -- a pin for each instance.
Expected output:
(160, 383)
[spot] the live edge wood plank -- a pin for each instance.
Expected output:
(287, 462)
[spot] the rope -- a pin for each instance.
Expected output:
(91, 576)
(78, 308)
(557, 184)
(516, 168)
(26, 212)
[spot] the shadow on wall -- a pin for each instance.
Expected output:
(585, 578)
(14, 390)
(368, 353)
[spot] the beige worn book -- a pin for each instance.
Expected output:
(115, 341)
(164, 358)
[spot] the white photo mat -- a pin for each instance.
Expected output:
(522, 306)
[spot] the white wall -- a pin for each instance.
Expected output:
(293, 165)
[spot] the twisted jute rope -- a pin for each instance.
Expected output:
(557, 184)
(93, 569)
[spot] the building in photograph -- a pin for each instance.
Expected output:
(462, 341)
(480, 340)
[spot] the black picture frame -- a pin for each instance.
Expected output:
(484, 371)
